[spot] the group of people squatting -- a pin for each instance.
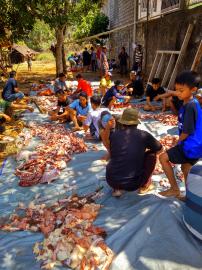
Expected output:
(131, 152)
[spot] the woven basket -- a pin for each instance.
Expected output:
(7, 145)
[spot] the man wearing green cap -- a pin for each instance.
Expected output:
(133, 158)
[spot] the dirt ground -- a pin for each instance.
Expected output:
(43, 71)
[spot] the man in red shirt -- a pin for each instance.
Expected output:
(84, 86)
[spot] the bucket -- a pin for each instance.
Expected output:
(193, 207)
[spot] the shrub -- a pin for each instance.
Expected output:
(45, 56)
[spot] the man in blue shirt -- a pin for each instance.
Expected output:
(10, 91)
(113, 94)
(76, 112)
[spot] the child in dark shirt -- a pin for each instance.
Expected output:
(135, 85)
(152, 93)
(63, 102)
(113, 94)
(171, 100)
(186, 84)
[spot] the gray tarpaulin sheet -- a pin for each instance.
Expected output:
(145, 232)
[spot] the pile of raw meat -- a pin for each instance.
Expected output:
(168, 141)
(46, 103)
(166, 119)
(71, 238)
(50, 157)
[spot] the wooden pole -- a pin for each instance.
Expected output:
(168, 69)
(197, 58)
(154, 67)
(181, 55)
(146, 38)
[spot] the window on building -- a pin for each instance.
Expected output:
(154, 5)
(143, 6)
(170, 4)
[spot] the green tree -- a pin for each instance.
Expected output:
(59, 15)
(55, 13)
(15, 20)
(95, 22)
(40, 37)
(21, 15)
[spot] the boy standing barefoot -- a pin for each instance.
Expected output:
(189, 124)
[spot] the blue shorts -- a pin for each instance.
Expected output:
(15, 96)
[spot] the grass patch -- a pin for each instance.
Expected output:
(45, 57)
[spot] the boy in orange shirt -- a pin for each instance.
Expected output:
(83, 86)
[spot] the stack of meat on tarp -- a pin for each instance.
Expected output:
(50, 156)
(71, 238)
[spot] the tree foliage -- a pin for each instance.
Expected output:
(15, 19)
(18, 18)
(40, 37)
(92, 24)
(88, 20)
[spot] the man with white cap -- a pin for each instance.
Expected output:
(135, 85)
(133, 159)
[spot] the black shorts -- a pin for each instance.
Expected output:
(177, 156)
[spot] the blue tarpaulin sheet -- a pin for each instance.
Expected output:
(145, 232)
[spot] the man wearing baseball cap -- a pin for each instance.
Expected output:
(113, 94)
(133, 159)
(105, 83)
(135, 85)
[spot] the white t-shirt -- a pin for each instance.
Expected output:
(93, 117)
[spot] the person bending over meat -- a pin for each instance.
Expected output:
(93, 118)
(113, 94)
(170, 99)
(63, 102)
(83, 86)
(131, 163)
(76, 112)
(152, 94)
(135, 86)
(60, 83)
